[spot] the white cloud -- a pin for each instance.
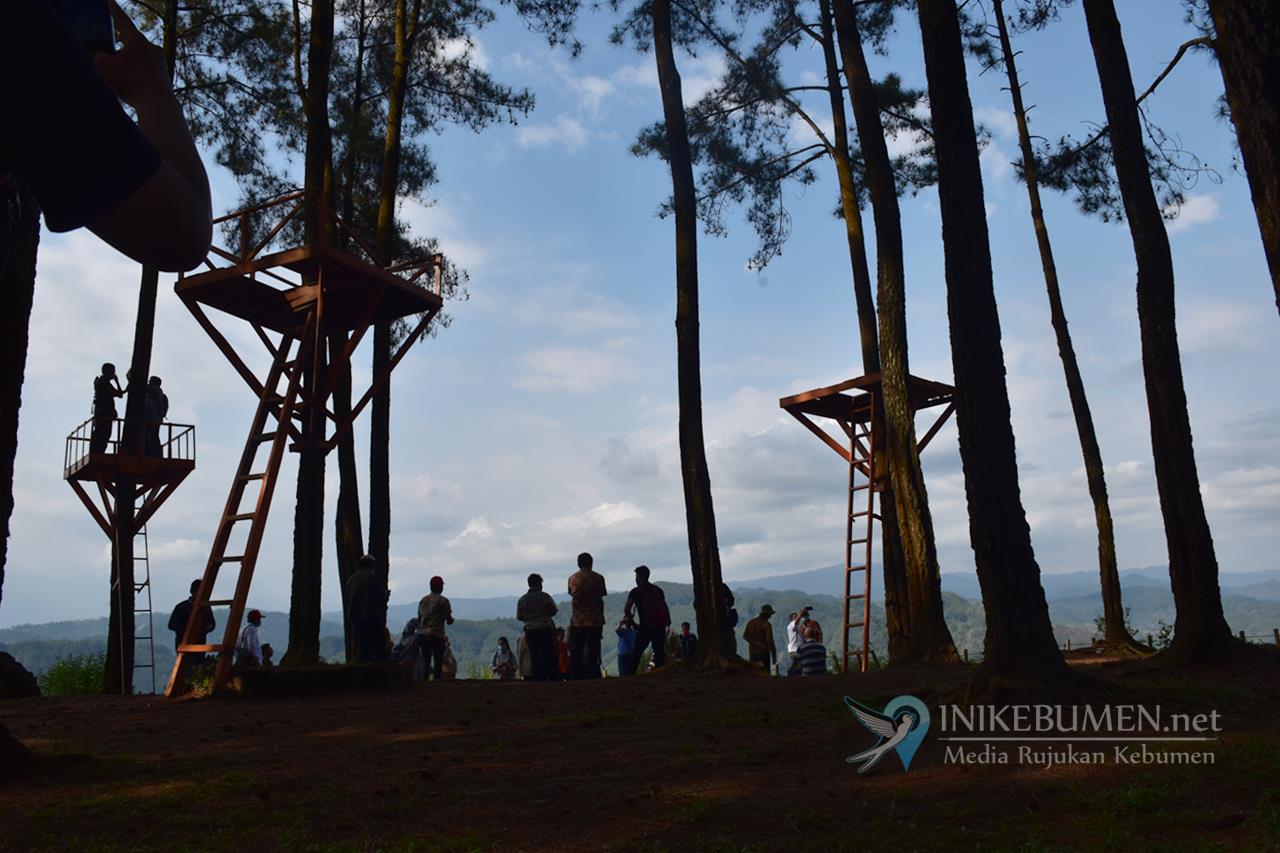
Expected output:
(571, 370)
(1196, 210)
(1000, 122)
(564, 130)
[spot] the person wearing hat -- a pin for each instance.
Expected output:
(434, 612)
(248, 647)
(759, 637)
(366, 601)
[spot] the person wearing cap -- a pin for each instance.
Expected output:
(248, 647)
(586, 626)
(434, 612)
(536, 609)
(366, 601)
(650, 603)
(759, 637)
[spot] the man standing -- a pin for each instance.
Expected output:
(535, 610)
(688, 642)
(157, 406)
(249, 647)
(182, 615)
(813, 655)
(649, 601)
(586, 626)
(434, 612)
(366, 594)
(106, 388)
(759, 637)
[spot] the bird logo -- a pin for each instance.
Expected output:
(900, 727)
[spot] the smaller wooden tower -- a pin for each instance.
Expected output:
(855, 405)
(293, 298)
(95, 475)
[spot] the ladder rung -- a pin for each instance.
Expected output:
(200, 647)
(855, 568)
(860, 513)
(221, 602)
(853, 597)
(243, 478)
(266, 436)
(859, 541)
(854, 625)
(244, 516)
(236, 559)
(860, 488)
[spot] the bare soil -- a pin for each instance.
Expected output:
(666, 761)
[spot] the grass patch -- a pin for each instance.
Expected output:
(694, 810)
(591, 715)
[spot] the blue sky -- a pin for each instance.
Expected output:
(542, 423)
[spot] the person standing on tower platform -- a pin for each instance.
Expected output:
(157, 406)
(106, 388)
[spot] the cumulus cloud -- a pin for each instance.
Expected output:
(1196, 210)
(571, 370)
(565, 131)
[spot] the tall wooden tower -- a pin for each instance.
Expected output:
(855, 405)
(292, 298)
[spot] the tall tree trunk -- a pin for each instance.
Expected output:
(118, 677)
(1201, 634)
(348, 525)
(714, 647)
(928, 639)
(1019, 640)
(1116, 632)
(893, 566)
(17, 290)
(348, 530)
(1248, 46)
(406, 26)
(308, 520)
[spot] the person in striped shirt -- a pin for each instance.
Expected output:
(812, 654)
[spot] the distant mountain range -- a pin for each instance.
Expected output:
(1251, 601)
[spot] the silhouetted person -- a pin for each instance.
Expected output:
(688, 642)
(140, 187)
(536, 609)
(586, 626)
(563, 660)
(759, 637)
(248, 647)
(157, 406)
(106, 388)
(366, 594)
(728, 617)
(648, 601)
(449, 666)
(181, 615)
(267, 654)
(504, 663)
(434, 613)
(795, 637)
(626, 645)
(813, 654)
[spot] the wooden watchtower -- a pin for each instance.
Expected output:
(292, 298)
(98, 474)
(855, 405)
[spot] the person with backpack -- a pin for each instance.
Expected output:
(650, 603)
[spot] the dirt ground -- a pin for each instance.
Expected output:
(668, 761)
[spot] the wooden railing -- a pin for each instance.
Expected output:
(177, 441)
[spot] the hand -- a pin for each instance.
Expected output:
(137, 73)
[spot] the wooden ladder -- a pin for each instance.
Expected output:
(858, 535)
(271, 405)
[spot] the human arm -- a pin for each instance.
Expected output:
(630, 606)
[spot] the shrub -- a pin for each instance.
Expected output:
(74, 675)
